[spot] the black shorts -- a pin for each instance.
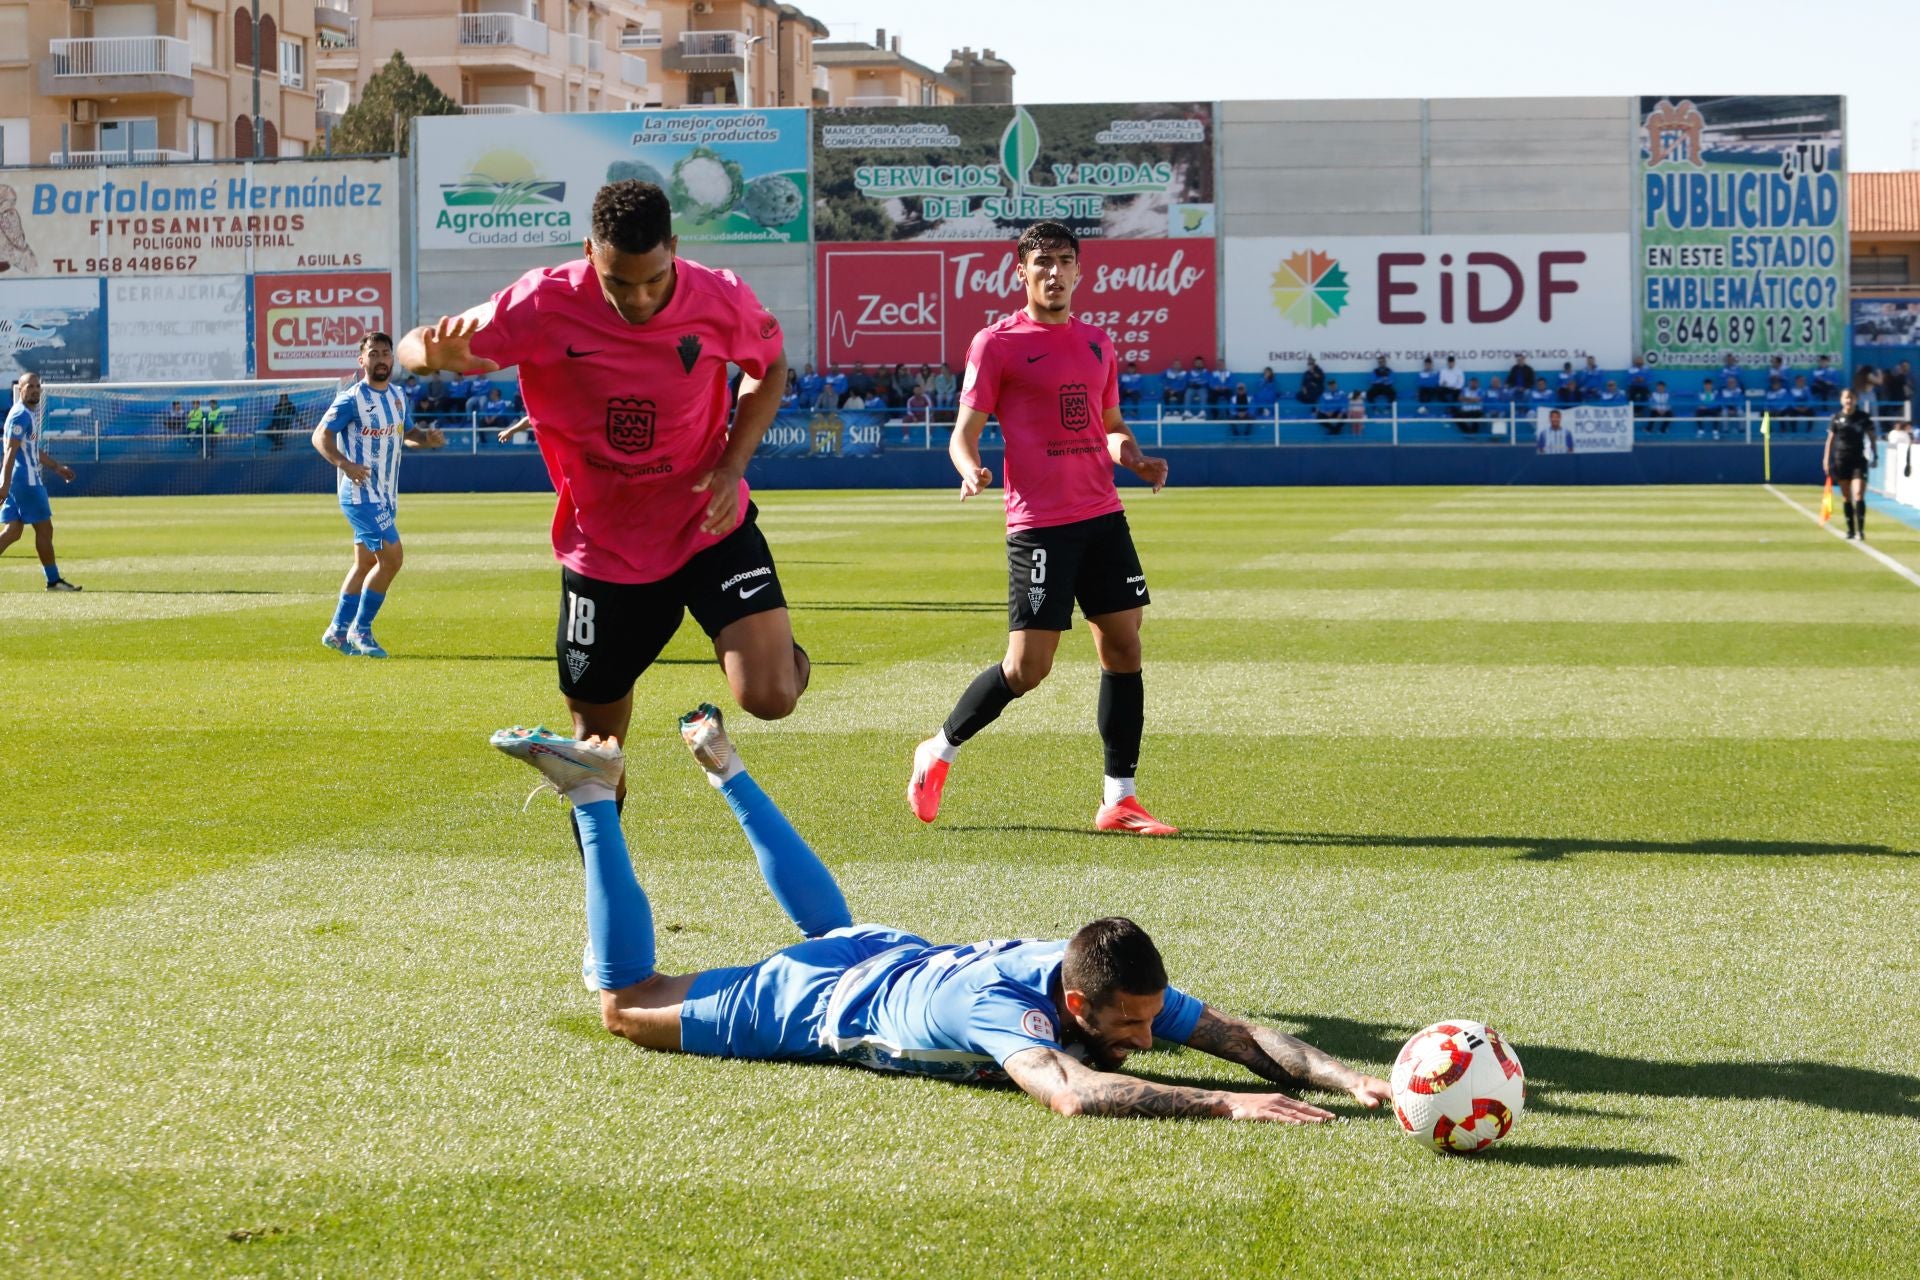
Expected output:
(1846, 469)
(1091, 561)
(610, 632)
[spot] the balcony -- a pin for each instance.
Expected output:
(341, 48)
(331, 99)
(89, 159)
(507, 32)
(585, 51)
(633, 71)
(875, 100)
(117, 66)
(332, 18)
(496, 109)
(708, 51)
(641, 37)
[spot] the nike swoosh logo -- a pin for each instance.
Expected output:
(1031, 359)
(1139, 591)
(577, 354)
(746, 593)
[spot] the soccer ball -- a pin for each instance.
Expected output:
(1458, 1087)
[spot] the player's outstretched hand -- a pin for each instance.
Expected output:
(723, 508)
(1276, 1108)
(436, 438)
(1152, 470)
(1371, 1091)
(447, 346)
(979, 480)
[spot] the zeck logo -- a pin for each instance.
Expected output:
(630, 425)
(1076, 414)
(689, 351)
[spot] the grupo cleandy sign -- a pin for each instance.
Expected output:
(921, 303)
(309, 325)
(199, 219)
(1346, 300)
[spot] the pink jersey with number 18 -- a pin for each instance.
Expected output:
(1050, 385)
(628, 416)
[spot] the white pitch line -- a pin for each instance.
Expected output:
(1875, 552)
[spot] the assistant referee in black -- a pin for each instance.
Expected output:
(1852, 447)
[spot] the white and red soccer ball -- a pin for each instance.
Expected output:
(1458, 1086)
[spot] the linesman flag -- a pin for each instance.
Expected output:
(1826, 502)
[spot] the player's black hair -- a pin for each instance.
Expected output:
(1111, 956)
(374, 339)
(631, 216)
(1046, 235)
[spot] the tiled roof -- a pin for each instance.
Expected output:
(1884, 202)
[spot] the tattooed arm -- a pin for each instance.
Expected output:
(1281, 1058)
(1072, 1088)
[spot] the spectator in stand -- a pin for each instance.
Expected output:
(1541, 396)
(433, 396)
(1521, 375)
(1659, 409)
(1330, 410)
(1707, 409)
(174, 420)
(810, 383)
(1428, 390)
(496, 411)
(902, 390)
(1495, 400)
(1453, 381)
(883, 387)
(1220, 387)
(1639, 382)
(1897, 386)
(1733, 394)
(855, 402)
(1800, 401)
(790, 394)
(219, 418)
(1265, 394)
(839, 384)
(197, 420)
(1313, 383)
(1356, 413)
(413, 389)
(1197, 389)
(1381, 387)
(859, 383)
(1611, 394)
(1173, 389)
(1777, 368)
(1130, 380)
(1778, 402)
(1592, 380)
(1472, 409)
(1240, 410)
(943, 388)
(1826, 384)
(454, 397)
(828, 399)
(1730, 367)
(919, 406)
(1567, 386)
(284, 422)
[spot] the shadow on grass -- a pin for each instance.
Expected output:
(548, 658)
(1529, 848)
(1859, 1090)
(899, 606)
(1572, 1157)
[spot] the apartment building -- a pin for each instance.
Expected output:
(509, 56)
(118, 81)
(879, 75)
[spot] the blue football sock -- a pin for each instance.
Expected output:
(801, 883)
(344, 611)
(619, 920)
(370, 602)
(52, 572)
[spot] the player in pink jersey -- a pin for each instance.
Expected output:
(623, 357)
(1054, 383)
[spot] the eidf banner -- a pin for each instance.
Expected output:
(1347, 300)
(921, 303)
(1135, 171)
(200, 219)
(1590, 428)
(1743, 235)
(732, 176)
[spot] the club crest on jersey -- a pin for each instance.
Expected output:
(630, 425)
(1037, 1024)
(1076, 413)
(689, 350)
(1035, 595)
(576, 662)
(768, 327)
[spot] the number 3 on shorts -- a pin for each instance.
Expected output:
(1039, 565)
(579, 620)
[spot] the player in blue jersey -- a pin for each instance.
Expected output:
(363, 434)
(1056, 1018)
(23, 480)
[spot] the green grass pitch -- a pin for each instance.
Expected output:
(289, 978)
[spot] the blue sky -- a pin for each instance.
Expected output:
(1160, 50)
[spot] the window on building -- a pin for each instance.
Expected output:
(13, 33)
(243, 137)
(200, 36)
(134, 133)
(269, 43)
(293, 63)
(201, 143)
(269, 139)
(242, 38)
(1875, 271)
(13, 141)
(292, 147)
